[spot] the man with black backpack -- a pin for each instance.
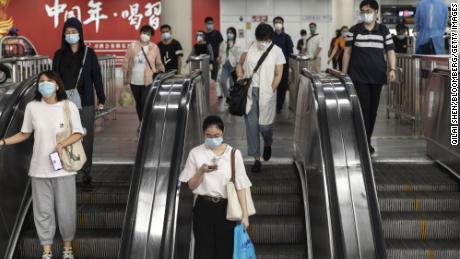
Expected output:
(284, 41)
(364, 61)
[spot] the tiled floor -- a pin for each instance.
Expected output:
(116, 141)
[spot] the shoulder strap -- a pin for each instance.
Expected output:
(311, 37)
(81, 69)
(66, 114)
(146, 58)
(262, 58)
(233, 164)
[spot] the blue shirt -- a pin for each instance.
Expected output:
(284, 41)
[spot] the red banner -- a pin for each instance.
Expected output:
(108, 25)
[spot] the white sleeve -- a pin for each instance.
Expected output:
(75, 120)
(241, 178)
(27, 125)
(190, 168)
(280, 59)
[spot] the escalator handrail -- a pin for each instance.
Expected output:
(328, 165)
(10, 107)
(167, 247)
(138, 169)
(366, 163)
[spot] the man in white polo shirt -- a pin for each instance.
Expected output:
(312, 49)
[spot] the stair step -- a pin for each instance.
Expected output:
(275, 186)
(281, 251)
(427, 225)
(277, 230)
(95, 244)
(419, 201)
(280, 205)
(423, 249)
(101, 216)
(104, 195)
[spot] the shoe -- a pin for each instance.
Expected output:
(48, 255)
(267, 153)
(67, 254)
(220, 97)
(256, 167)
(371, 150)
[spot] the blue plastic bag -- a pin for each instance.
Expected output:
(242, 245)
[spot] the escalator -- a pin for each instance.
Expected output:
(100, 213)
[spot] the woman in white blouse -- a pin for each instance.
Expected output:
(53, 191)
(229, 57)
(261, 100)
(207, 172)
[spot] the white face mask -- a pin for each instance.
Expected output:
(263, 45)
(145, 38)
(199, 38)
(278, 26)
(367, 17)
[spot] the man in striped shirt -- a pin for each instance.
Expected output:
(364, 61)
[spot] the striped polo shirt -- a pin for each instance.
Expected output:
(367, 63)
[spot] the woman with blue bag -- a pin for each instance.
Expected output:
(207, 172)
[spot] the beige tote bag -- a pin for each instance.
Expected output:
(234, 211)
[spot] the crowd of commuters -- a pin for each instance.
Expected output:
(365, 51)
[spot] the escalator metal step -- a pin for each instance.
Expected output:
(278, 186)
(423, 249)
(282, 205)
(419, 201)
(96, 244)
(104, 195)
(277, 229)
(280, 252)
(428, 225)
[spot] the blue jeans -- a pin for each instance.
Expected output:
(253, 129)
(225, 78)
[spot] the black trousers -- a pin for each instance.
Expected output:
(282, 88)
(369, 98)
(213, 232)
(140, 93)
(214, 70)
(87, 116)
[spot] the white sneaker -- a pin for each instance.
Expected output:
(67, 254)
(47, 256)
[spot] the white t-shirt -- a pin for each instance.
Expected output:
(214, 183)
(275, 57)
(46, 121)
(312, 46)
(137, 76)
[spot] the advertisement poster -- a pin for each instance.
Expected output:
(108, 25)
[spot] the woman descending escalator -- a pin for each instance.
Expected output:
(207, 171)
(53, 188)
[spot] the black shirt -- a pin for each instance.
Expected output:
(215, 39)
(400, 44)
(284, 41)
(69, 68)
(169, 54)
(367, 62)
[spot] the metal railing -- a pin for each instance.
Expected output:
(23, 68)
(296, 64)
(108, 64)
(406, 94)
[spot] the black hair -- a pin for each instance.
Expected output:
(344, 27)
(208, 19)
(165, 26)
(338, 33)
(213, 120)
(278, 18)
(232, 30)
(303, 32)
(264, 32)
(401, 27)
(312, 23)
(147, 29)
(60, 93)
(371, 3)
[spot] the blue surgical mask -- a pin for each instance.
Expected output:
(210, 26)
(212, 143)
(166, 36)
(367, 17)
(72, 38)
(230, 36)
(46, 88)
(401, 36)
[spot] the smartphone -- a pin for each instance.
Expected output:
(56, 161)
(212, 167)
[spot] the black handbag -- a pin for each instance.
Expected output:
(239, 90)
